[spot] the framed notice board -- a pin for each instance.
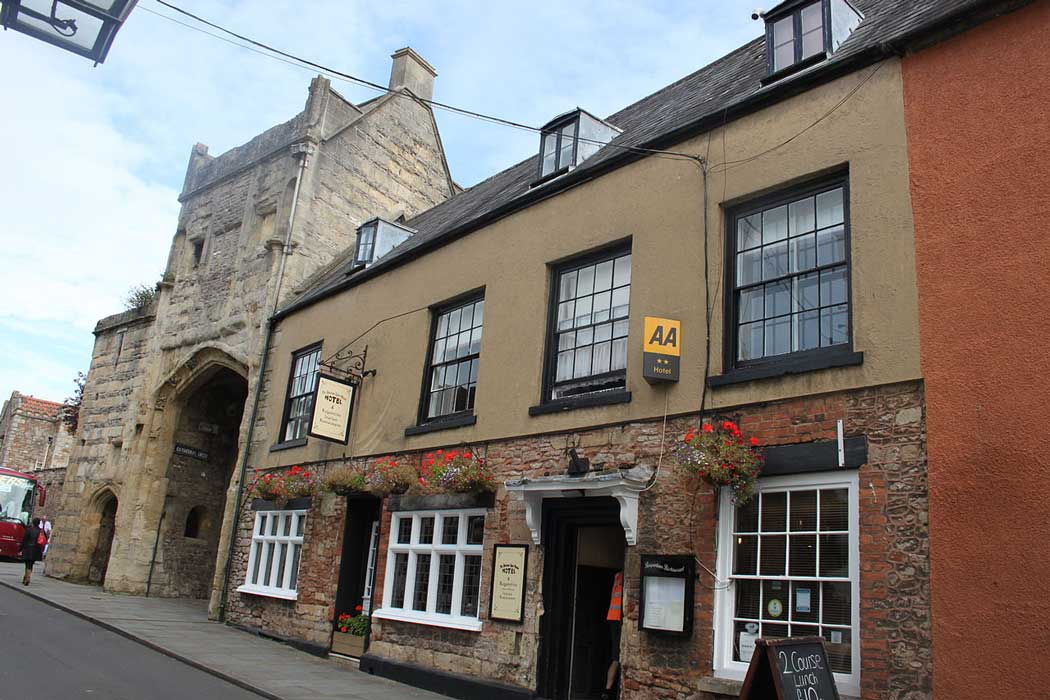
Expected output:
(789, 669)
(510, 563)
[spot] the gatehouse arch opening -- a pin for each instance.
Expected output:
(106, 511)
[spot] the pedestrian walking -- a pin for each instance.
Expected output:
(32, 549)
(46, 527)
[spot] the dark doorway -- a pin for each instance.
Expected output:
(584, 548)
(104, 543)
(357, 566)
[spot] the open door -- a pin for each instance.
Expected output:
(357, 565)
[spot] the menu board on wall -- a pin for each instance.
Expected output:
(333, 405)
(509, 565)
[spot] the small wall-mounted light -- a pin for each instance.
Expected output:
(83, 27)
(578, 466)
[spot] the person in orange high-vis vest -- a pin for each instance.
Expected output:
(615, 620)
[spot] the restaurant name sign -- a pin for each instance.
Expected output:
(333, 407)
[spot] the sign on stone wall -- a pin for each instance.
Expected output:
(187, 451)
(333, 407)
(509, 563)
(662, 350)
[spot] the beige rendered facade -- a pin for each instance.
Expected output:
(161, 422)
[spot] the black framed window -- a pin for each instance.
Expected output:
(452, 372)
(301, 385)
(588, 347)
(366, 242)
(796, 36)
(558, 148)
(790, 276)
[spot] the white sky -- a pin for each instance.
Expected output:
(94, 158)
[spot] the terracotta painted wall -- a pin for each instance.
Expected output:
(978, 120)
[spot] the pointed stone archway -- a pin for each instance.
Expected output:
(105, 510)
(188, 457)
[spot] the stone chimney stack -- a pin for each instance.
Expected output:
(411, 71)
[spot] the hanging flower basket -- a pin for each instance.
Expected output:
(282, 488)
(454, 471)
(388, 476)
(720, 455)
(349, 480)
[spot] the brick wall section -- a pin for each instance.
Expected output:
(676, 516)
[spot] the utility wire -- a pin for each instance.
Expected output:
(292, 59)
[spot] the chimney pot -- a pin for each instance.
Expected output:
(410, 70)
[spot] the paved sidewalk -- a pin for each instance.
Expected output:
(181, 629)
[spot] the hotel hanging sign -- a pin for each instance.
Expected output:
(662, 349)
(333, 407)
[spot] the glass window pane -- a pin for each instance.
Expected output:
(747, 516)
(619, 354)
(582, 364)
(419, 594)
(621, 299)
(812, 17)
(774, 225)
(603, 275)
(404, 530)
(474, 371)
(808, 334)
(834, 509)
(834, 325)
(300, 525)
(567, 287)
(453, 321)
(426, 530)
(602, 332)
(746, 556)
(475, 341)
(783, 56)
(778, 336)
(829, 208)
(479, 312)
(803, 511)
(564, 370)
(446, 583)
(466, 318)
(258, 562)
(805, 601)
(584, 336)
(801, 217)
(834, 555)
(475, 529)
(750, 341)
(400, 579)
(622, 275)
(750, 303)
(778, 298)
(620, 329)
(601, 306)
(585, 281)
(783, 30)
(583, 311)
(287, 524)
(806, 292)
(442, 325)
(773, 555)
(268, 563)
(774, 511)
(774, 260)
(568, 139)
(749, 267)
(566, 341)
(803, 555)
(297, 550)
(836, 602)
(840, 649)
(749, 232)
(833, 287)
(831, 245)
(471, 585)
(812, 43)
(748, 602)
(566, 310)
(282, 561)
(775, 605)
(803, 252)
(439, 351)
(449, 529)
(601, 358)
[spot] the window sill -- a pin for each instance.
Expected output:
(730, 687)
(460, 421)
(268, 592)
(571, 403)
(799, 365)
(470, 624)
(288, 445)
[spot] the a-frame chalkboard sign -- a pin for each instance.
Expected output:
(789, 669)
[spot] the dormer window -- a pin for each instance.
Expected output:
(570, 139)
(800, 33)
(376, 238)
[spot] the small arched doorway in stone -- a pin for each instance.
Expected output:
(105, 509)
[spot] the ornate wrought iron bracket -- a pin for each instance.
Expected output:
(347, 364)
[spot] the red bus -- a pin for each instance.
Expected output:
(19, 494)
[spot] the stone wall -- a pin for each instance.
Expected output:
(679, 514)
(223, 279)
(32, 434)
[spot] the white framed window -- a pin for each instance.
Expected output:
(433, 568)
(273, 561)
(790, 558)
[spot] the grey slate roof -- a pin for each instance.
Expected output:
(712, 93)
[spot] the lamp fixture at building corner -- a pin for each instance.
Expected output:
(84, 27)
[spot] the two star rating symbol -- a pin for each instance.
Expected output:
(661, 361)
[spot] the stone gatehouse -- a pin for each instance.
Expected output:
(153, 462)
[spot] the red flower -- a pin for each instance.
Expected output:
(306, 475)
(708, 428)
(359, 608)
(468, 456)
(729, 425)
(754, 442)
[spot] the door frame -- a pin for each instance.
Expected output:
(561, 518)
